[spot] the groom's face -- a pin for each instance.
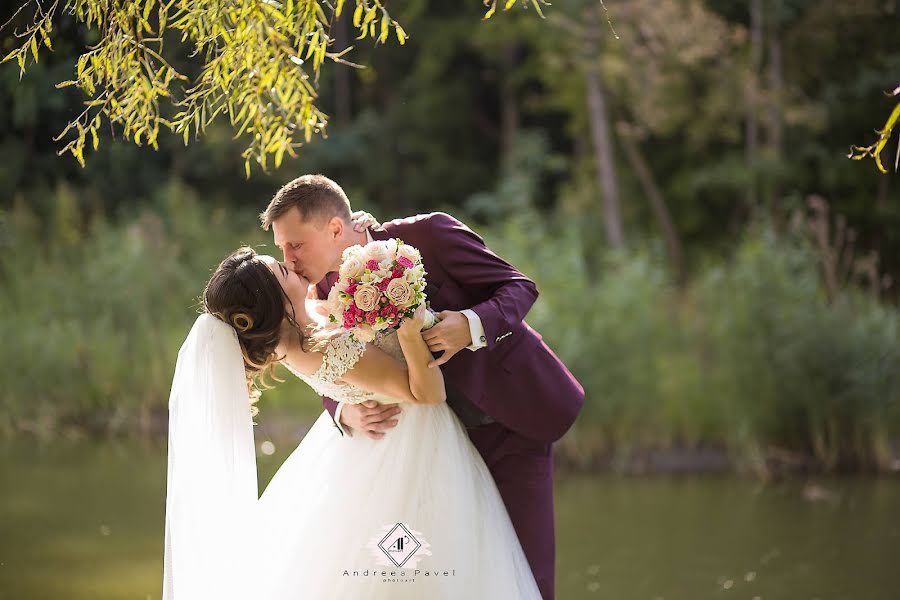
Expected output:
(311, 248)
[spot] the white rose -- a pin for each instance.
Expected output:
(334, 304)
(366, 297)
(355, 250)
(409, 252)
(364, 333)
(379, 250)
(400, 293)
(352, 267)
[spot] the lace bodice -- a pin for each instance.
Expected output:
(340, 354)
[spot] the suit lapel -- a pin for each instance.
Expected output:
(324, 286)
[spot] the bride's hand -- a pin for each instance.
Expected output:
(413, 325)
(363, 220)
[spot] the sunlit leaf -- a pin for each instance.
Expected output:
(249, 59)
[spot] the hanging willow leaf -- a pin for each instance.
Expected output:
(252, 67)
(861, 152)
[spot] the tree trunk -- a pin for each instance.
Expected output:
(601, 138)
(750, 97)
(509, 104)
(342, 99)
(655, 198)
(776, 86)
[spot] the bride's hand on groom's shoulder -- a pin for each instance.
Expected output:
(363, 220)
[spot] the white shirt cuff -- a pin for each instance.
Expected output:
(337, 419)
(476, 329)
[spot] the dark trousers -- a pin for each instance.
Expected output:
(523, 470)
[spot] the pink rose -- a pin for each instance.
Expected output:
(351, 288)
(397, 273)
(372, 265)
(371, 316)
(404, 262)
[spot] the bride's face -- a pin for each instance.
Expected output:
(295, 286)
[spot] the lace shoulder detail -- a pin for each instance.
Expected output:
(341, 353)
(339, 356)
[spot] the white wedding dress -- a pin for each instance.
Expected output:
(343, 512)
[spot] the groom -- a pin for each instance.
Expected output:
(512, 393)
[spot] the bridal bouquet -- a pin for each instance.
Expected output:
(379, 285)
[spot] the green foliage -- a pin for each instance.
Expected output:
(750, 355)
(259, 65)
(94, 313)
(796, 371)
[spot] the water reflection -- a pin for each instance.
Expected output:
(85, 522)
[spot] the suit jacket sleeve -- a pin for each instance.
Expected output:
(331, 406)
(465, 258)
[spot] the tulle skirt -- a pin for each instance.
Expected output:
(415, 514)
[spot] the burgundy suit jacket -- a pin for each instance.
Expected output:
(516, 379)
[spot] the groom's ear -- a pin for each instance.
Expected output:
(336, 227)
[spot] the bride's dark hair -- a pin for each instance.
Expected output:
(244, 293)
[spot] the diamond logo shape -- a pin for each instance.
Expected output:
(399, 545)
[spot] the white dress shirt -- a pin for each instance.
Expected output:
(476, 330)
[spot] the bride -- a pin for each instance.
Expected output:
(415, 514)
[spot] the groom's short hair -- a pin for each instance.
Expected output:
(315, 196)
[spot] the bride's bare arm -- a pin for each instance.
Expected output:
(378, 372)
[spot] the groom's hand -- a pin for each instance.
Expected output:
(371, 417)
(450, 335)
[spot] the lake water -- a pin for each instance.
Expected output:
(84, 521)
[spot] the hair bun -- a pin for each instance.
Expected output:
(241, 321)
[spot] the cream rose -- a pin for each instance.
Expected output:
(409, 252)
(380, 250)
(352, 267)
(400, 293)
(366, 297)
